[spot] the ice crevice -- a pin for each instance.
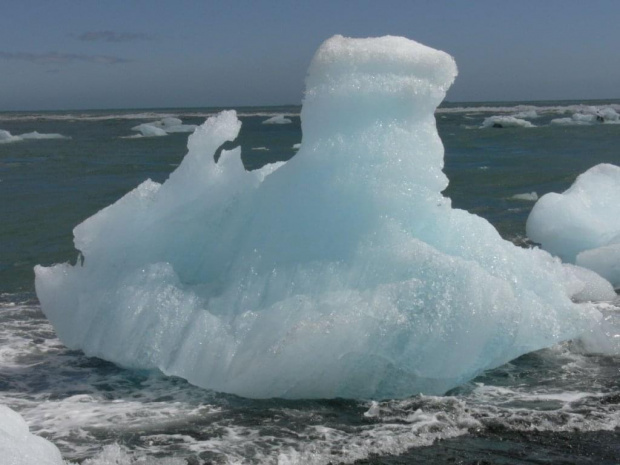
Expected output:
(343, 272)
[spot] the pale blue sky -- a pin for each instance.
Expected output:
(80, 54)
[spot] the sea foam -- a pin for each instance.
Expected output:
(342, 273)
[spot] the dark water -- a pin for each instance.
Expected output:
(559, 405)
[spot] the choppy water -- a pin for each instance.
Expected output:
(560, 405)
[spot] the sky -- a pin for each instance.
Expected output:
(83, 54)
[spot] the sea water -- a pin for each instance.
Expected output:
(556, 404)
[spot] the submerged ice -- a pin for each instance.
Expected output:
(342, 273)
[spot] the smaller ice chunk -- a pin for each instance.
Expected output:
(37, 135)
(297, 146)
(260, 149)
(6, 136)
(589, 116)
(528, 196)
(171, 125)
(278, 119)
(506, 122)
(582, 225)
(149, 130)
(163, 127)
(18, 446)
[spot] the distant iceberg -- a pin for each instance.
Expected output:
(589, 116)
(528, 196)
(6, 136)
(582, 225)
(163, 127)
(506, 122)
(341, 273)
(278, 119)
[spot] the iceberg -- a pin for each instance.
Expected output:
(527, 196)
(278, 119)
(163, 127)
(582, 225)
(506, 122)
(343, 272)
(6, 136)
(20, 447)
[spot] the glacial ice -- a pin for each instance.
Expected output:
(278, 119)
(342, 273)
(163, 127)
(506, 122)
(6, 136)
(527, 196)
(589, 116)
(582, 225)
(20, 447)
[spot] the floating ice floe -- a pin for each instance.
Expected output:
(342, 273)
(588, 116)
(163, 127)
(529, 196)
(260, 149)
(582, 225)
(297, 146)
(6, 136)
(278, 119)
(506, 122)
(20, 447)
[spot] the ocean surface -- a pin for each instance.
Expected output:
(558, 405)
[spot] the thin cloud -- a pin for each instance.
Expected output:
(56, 58)
(111, 36)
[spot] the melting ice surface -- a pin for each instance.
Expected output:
(343, 272)
(582, 225)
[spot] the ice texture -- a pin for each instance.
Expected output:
(278, 119)
(582, 225)
(20, 447)
(342, 273)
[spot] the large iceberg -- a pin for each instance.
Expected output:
(582, 225)
(342, 273)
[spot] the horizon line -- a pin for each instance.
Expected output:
(222, 107)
